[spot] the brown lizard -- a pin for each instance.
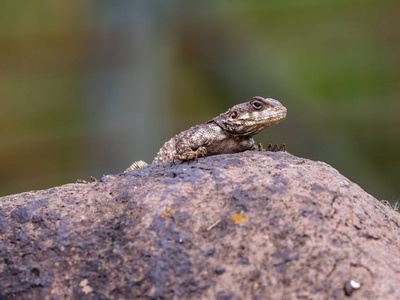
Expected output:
(230, 132)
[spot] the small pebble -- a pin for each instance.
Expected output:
(244, 261)
(219, 270)
(355, 285)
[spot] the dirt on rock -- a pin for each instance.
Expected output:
(253, 225)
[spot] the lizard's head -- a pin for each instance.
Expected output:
(251, 117)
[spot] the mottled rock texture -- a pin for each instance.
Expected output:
(253, 225)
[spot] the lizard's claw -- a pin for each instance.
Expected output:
(201, 151)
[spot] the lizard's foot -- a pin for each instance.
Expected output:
(92, 179)
(275, 148)
(190, 154)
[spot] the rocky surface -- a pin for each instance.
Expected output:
(254, 225)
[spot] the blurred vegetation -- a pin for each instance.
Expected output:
(87, 87)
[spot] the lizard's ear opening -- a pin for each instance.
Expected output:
(233, 115)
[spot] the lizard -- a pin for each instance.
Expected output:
(230, 132)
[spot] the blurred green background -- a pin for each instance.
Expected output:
(88, 87)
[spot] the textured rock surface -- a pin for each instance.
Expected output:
(242, 226)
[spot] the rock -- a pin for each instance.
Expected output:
(241, 226)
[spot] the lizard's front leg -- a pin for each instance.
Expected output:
(189, 154)
(192, 144)
(275, 148)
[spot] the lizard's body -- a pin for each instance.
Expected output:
(230, 132)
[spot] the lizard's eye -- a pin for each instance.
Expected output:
(257, 105)
(233, 115)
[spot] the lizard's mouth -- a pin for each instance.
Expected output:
(283, 114)
(255, 126)
(276, 117)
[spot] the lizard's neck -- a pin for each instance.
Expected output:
(229, 134)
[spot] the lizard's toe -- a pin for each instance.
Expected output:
(201, 151)
(275, 148)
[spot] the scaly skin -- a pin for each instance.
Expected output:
(230, 132)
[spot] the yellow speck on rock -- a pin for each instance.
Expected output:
(255, 286)
(165, 212)
(56, 264)
(239, 218)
